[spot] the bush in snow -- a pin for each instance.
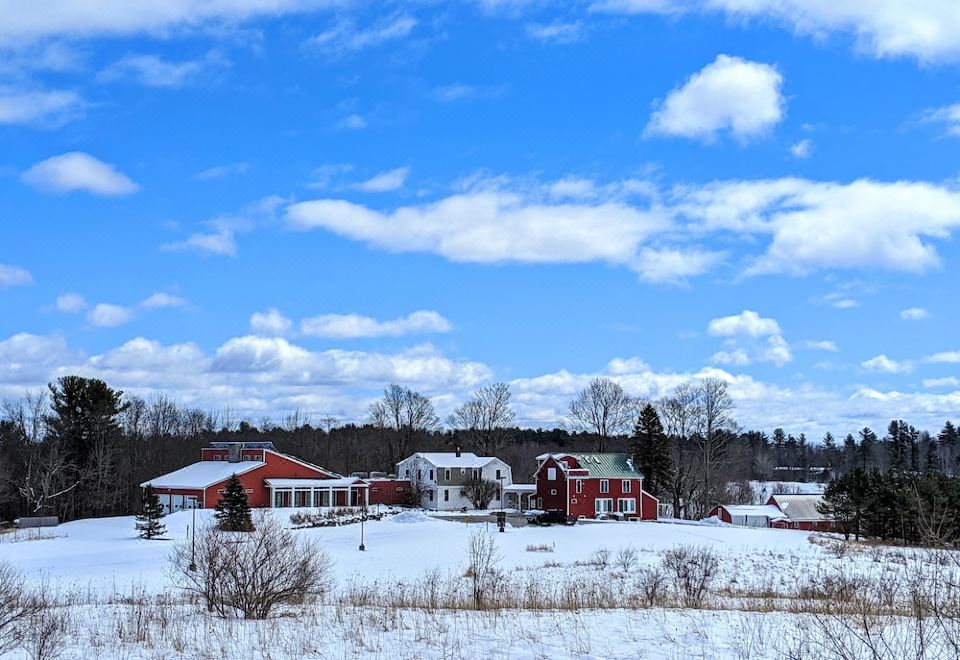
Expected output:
(17, 606)
(626, 559)
(252, 573)
(693, 571)
(483, 558)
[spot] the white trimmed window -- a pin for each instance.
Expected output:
(627, 505)
(603, 505)
(431, 474)
(579, 487)
(626, 486)
(551, 474)
(604, 485)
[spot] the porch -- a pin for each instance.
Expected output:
(317, 493)
(519, 496)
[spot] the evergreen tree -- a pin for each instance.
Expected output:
(651, 452)
(896, 437)
(149, 519)
(934, 462)
(949, 440)
(849, 452)
(868, 440)
(779, 441)
(233, 510)
(830, 449)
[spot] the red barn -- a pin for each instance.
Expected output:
(801, 513)
(593, 485)
(270, 479)
(387, 490)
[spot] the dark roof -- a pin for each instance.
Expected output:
(243, 445)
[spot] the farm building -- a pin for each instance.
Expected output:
(442, 478)
(747, 515)
(593, 485)
(270, 479)
(801, 513)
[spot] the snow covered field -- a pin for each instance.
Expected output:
(116, 590)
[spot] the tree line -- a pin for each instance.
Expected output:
(81, 448)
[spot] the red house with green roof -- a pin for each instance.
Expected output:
(593, 485)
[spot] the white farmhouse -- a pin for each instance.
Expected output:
(442, 477)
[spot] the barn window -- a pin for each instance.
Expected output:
(627, 505)
(216, 457)
(579, 485)
(626, 486)
(603, 505)
(604, 485)
(551, 474)
(553, 491)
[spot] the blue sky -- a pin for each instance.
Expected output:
(272, 205)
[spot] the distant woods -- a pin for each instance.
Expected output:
(81, 448)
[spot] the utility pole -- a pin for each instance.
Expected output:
(193, 541)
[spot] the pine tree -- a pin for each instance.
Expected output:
(896, 437)
(830, 449)
(233, 510)
(934, 462)
(651, 451)
(868, 440)
(149, 523)
(849, 452)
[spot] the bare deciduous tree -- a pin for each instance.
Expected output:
(486, 420)
(407, 413)
(681, 415)
(603, 408)
(481, 492)
(252, 573)
(716, 406)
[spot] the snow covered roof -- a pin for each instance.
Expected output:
(520, 488)
(451, 460)
(765, 510)
(800, 507)
(202, 474)
(342, 482)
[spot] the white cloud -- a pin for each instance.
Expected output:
(674, 265)
(79, 171)
(106, 315)
(802, 149)
(222, 171)
(345, 37)
(751, 338)
(36, 106)
(14, 276)
(937, 383)
(914, 314)
(731, 95)
(28, 360)
(557, 32)
(845, 303)
(886, 365)
(71, 303)
(352, 122)
(222, 241)
(490, 227)
(269, 323)
(948, 117)
(153, 71)
(353, 326)
(385, 181)
(863, 224)
(821, 345)
(161, 300)
(747, 323)
(67, 18)
(947, 357)
(926, 30)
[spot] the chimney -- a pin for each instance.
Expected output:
(458, 451)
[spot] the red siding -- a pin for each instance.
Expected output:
(553, 495)
(389, 491)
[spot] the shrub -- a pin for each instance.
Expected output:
(252, 573)
(693, 571)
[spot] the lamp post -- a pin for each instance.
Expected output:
(193, 541)
(362, 518)
(500, 479)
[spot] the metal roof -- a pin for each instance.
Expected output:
(799, 507)
(603, 466)
(202, 474)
